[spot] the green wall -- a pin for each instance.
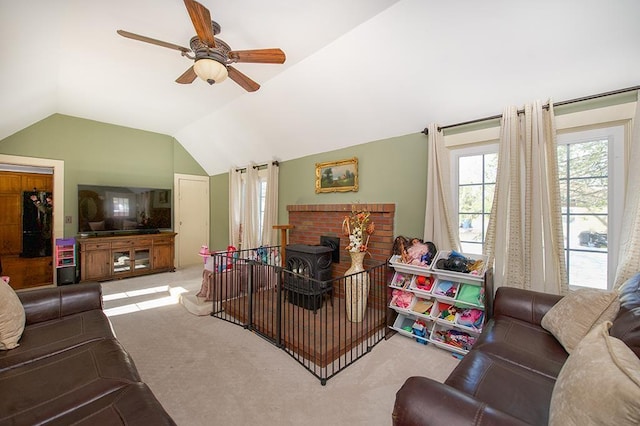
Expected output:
(219, 209)
(389, 171)
(101, 154)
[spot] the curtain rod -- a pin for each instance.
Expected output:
(258, 166)
(546, 106)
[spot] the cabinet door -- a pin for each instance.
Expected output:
(10, 183)
(37, 181)
(142, 261)
(97, 264)
(163, 256)
(10, 224)
(121, 261)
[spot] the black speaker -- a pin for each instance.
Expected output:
(67, 275)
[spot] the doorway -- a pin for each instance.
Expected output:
(26, 271)
(191, 217)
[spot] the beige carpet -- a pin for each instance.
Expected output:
(206, 371)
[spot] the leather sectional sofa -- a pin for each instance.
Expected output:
(508, 377)
(69, 368)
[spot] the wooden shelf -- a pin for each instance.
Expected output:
(122, 256)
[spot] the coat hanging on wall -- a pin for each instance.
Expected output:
(37, 215)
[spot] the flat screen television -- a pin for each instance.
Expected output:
(118, 210)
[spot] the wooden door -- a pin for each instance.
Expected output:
(192, 217)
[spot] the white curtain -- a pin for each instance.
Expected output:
(524, 236)
(439, 221)
(251, 208)
(235, 207)
(269, 235)
(629, 254)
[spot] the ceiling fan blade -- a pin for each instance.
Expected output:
(245, 82)
(263, 56)
(138, 37)
(201, 19)
(187, 77)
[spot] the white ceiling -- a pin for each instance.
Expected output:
(356, 70)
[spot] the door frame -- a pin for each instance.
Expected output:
(58, 189)
(177, 211)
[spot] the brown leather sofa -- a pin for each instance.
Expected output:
(509, 375)
(70, 368)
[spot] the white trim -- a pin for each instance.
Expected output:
(58, 188)
(598, 117)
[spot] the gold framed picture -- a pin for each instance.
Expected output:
(337, 176)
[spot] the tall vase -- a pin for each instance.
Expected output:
(356, 288)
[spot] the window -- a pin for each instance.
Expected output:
(120, 207)
(590, 170)
(475, 176)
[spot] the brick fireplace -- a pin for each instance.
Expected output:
(312, 221)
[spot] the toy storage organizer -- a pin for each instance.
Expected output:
(65, 260)
(438, 306)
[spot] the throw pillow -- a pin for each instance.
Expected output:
(12, 317)
(571, 318)
(599, 384)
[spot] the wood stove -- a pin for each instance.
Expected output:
(311, 268)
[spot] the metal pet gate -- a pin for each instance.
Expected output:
(305, 317)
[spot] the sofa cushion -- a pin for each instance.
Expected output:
(12, 317)
(133, 404)
(600, 366)
(524, 344)
(576, 314)
(41, 390)
(47, 338)
(504, 386)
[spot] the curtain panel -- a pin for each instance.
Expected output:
(629, 253)
(524, 236)
(251, 208)
(235, 207)
(269, 235)
(439, 221)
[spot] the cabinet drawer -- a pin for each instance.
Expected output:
(96, 246)
(130, 243)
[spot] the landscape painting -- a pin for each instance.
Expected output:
(337, 176)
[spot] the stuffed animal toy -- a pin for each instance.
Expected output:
(421, 253)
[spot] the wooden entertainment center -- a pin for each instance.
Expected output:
(105, 258)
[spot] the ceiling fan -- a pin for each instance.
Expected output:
(213, 57)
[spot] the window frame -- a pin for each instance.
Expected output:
(616, 185)
(467, 151)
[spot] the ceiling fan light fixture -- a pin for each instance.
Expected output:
(210, 70)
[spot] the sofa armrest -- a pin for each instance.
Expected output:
(56, 302)
(423, 401)
(525, 305)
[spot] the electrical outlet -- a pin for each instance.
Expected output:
(67, 219)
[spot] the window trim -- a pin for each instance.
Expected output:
(616, 183)
(466, 151)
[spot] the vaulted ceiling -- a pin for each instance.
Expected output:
(356, 70)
